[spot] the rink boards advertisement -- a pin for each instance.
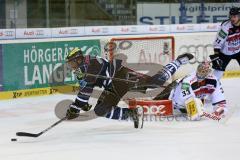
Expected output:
(38, 68)
(176, 13)
(201, 46)
(1, 67)
(29, 67)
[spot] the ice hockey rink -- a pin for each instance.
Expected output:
(107, 139)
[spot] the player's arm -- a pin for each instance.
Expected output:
(83, 96)
(81, 101)
(218, 100)
(218, 44)
(221, 37)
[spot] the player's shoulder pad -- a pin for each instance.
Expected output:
(226, 24)
(212, 79)
(212, 76)
(190, 78)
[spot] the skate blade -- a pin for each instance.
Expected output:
(140, 112)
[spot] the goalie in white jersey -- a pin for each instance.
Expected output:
(227, 43)
(198, 85)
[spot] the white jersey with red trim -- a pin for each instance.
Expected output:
(228, 38)
(189, 87)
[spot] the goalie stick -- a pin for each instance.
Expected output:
(26, 134)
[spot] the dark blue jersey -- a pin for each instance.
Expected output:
(97, 72)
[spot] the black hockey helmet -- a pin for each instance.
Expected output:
(234, 11)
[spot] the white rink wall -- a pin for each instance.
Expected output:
(143, 54)
(200, 44)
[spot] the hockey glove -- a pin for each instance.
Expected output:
(79, 74)
(82, 83)
(216, 61)
(220, 111)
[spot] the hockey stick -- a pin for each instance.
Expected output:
(124, 80)
(26, 134)
(111, 78)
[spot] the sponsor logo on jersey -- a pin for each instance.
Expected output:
(185, 86)
(202, 92)
(233, 38)
(233, 49)
(222, 34)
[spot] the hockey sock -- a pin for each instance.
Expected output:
(169, 70)
(118, 113)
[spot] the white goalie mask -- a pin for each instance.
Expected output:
(203, 70)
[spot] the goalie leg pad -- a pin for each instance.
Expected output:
(194, 108)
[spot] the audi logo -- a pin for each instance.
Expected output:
(201, 52)
(9, 33)
(39, 32)
(73, 31)
(112, 46)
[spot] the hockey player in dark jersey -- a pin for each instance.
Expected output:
(116, 80)
(227, 43)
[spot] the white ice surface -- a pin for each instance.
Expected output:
(107, 139)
